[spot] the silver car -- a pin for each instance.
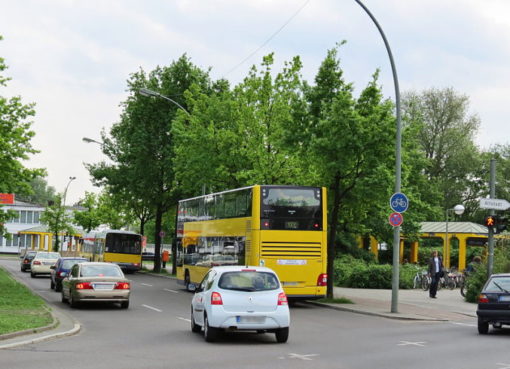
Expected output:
(42, 263)
(96, 282)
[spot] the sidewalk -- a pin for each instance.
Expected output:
(412, 304)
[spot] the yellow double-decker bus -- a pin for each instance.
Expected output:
(280, 227)
(123, 248)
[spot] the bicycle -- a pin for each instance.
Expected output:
(418, 278)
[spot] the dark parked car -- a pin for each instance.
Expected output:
(494, 303)
(147, 255)
(26, 260)
(61, 269)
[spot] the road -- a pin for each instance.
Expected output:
(155, 333)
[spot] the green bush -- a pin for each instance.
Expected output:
(477, 279)
(356, 273)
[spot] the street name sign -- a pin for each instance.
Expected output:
(494, 204)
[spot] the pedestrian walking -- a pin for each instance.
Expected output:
(435, 273)
(165, 256)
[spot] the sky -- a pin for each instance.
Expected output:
(72, 58)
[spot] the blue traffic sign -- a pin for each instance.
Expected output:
(396, 219)
(399, 202)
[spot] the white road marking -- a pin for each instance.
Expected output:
(173, 291)
(301, 357)
(152, 308)
(186, 320)
(146, 284)
(465, 324)
(409, 343)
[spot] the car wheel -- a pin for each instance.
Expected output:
(63, 298)
(210, 333)
(483, 327)
(282, 335)
(124, 304)
(32, 275)
(52, 285)
(195, 328)
(72, 302)
(58, 287)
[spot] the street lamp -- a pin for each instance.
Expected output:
(459, 210)
(395, 278)
(90, 140)
(65, 191)
(150, 93)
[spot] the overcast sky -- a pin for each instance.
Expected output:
(72, 58)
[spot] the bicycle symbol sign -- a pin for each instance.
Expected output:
(399, 202)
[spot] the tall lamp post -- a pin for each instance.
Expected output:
(90, 140)
(459, 210)
(150, 93)
(63, 205)
(398, 166)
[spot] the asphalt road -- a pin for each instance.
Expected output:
(155, 333)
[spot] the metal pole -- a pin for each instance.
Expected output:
(446, 257)
(492, 184)
(398, 165)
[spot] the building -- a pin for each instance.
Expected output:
(27, 216)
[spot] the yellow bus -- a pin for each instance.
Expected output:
(280, 227)
(123, 248)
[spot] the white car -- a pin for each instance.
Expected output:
(42, 262)
(243, 298)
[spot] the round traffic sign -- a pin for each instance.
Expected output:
(399, 202)
(396, 219)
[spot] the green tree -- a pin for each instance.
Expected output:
(15, 145)
(40, 192)
(349, 143)
(445, 132)
(91, 217)
(140, 146)
(58, 220)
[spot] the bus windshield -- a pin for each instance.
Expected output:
(123, 243)
(291, 208)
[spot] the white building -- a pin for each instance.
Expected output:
(28, 216)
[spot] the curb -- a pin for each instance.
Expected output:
(15, 334)
(383, 315)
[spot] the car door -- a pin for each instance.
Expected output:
(68, 281)
(199, 299)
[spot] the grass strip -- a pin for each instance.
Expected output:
(340, 300)
(20, 308)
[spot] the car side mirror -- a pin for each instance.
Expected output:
(194, 288)
(52, 267)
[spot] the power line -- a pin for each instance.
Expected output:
(269, 39)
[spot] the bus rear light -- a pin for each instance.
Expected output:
(265, 224)
(84, 286)
(316, 225)
(216, 299)
(282, 299)
(122, 286)
(322, 281)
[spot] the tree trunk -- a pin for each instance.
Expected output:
(332, 235)
(157, 247)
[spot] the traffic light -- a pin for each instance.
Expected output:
(490, 221)
(501, 224)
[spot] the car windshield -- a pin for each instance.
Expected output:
(67, 264)
(248, 281)
(499, 284)
(48, 255)
(100, 271)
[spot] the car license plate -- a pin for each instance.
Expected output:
(103, 286)
(47, 263)
(504, 298)
(251, 319)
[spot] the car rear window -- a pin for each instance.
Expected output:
(100, 271)
(501, 284)
(67, 264)
(248, 281)
(48, 255)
